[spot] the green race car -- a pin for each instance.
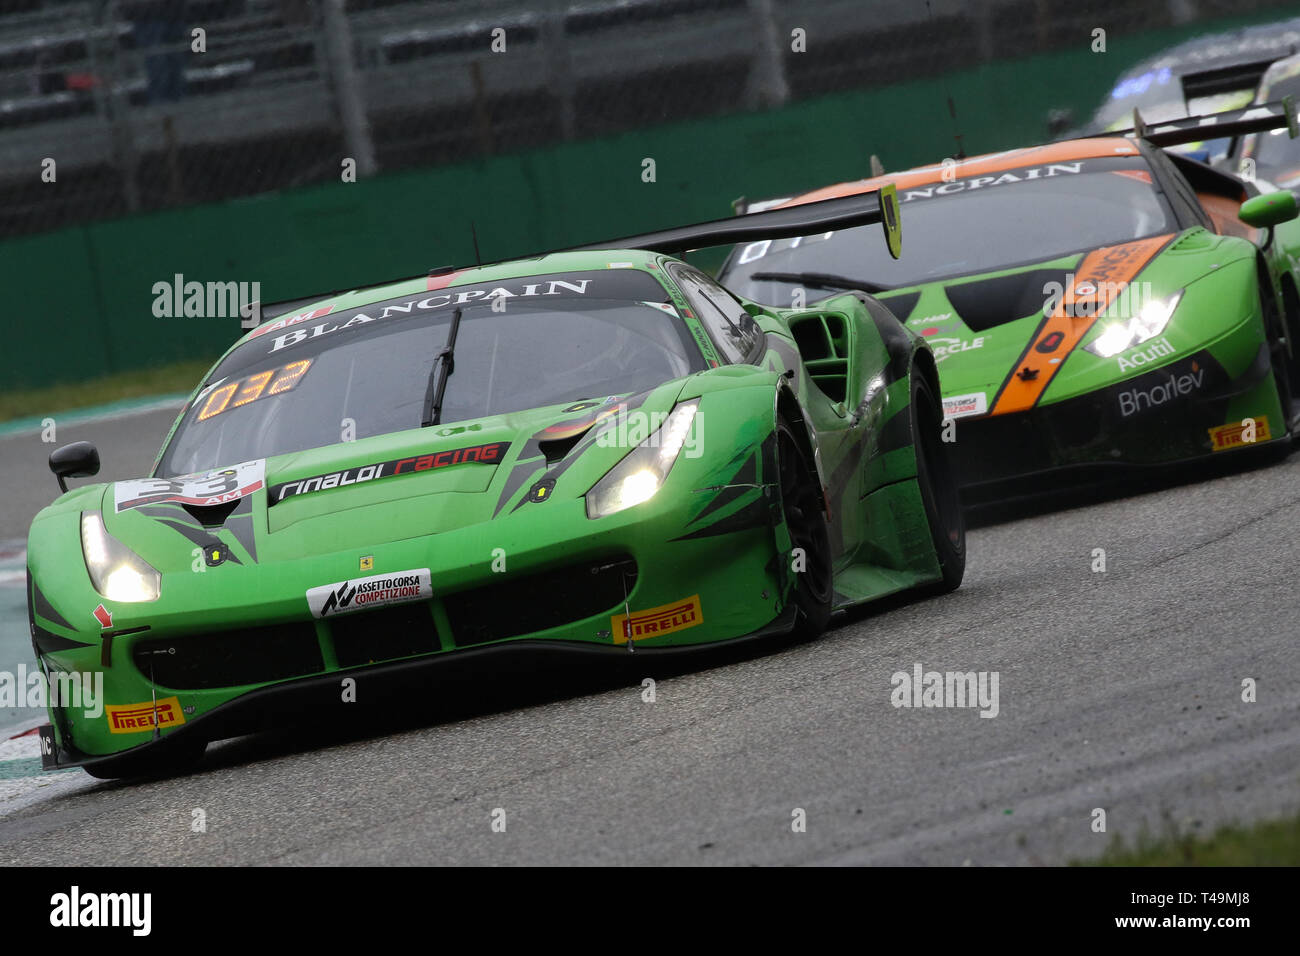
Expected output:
(1095, 306)
(586, 453)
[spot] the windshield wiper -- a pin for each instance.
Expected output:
(443, 365)
(822, 280)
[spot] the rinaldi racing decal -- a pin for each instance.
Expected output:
(490, 454)
(1100, 277)
(136, 718)
(656, 621)
(363, 594)
(1238, 434)
(214, 487)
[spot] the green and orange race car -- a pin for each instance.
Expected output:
(1092, 304)
(584, 453)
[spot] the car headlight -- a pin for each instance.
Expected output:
(116, 571)
(1122, 334)
(640, 475)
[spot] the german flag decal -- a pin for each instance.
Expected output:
(1101, 277)
(657, 621)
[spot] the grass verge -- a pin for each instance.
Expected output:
(162, 380)
(1271, 843)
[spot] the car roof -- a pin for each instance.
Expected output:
(1063, 152)
(549, 264)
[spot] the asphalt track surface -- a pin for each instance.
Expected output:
(1119, 690)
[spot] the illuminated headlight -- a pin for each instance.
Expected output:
(640, 475)
(116, 571)
(1123, 334)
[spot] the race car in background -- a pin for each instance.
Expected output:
(584, 453)
(1272, 156)
(1092, 304)
(1208, 74)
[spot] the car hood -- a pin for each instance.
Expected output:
(387, 488)
(983, 329)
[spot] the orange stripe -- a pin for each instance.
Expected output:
(1068, 151)
(1109, 269)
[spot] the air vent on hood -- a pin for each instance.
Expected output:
(986, 303)
(556, 448)
(212, 516)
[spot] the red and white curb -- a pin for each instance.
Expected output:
(22, 781)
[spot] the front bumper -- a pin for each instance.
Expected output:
(1142, 424)
(170, 667)
(379, 686)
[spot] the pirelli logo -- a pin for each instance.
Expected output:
(135, 718)
(1240, 434)
(656, 621)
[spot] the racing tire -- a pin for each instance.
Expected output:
(938, 485)
(805, 519)
(1280, 323)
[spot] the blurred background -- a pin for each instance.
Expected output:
(312, 144)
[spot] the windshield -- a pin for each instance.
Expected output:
(367, 371)
(967, 226)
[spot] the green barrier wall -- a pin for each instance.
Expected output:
(80, 299)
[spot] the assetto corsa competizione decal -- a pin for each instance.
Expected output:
(362, 594)
(489, 454)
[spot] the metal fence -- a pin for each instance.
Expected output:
(114, 106)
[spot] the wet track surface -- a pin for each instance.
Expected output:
(1120, 690)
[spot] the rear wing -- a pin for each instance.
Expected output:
(1237, 78)
(786, 222)
(1192, 129)
(862, 209)
(743, 205)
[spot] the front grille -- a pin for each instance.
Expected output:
(998, 447)
(388, 634)
(535, 602)
(252, 655)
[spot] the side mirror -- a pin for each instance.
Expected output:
(78, 460)
(1269, 209)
